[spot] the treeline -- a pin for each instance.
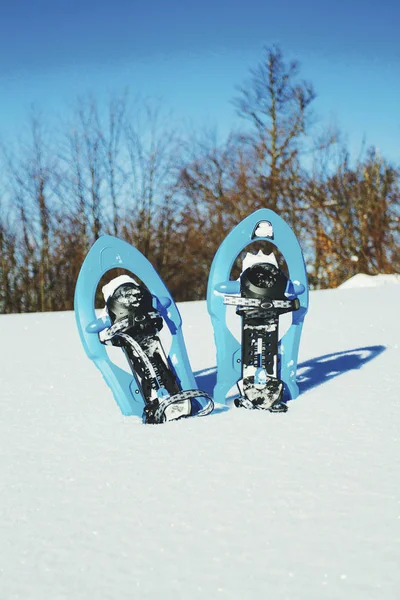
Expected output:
(129, 171)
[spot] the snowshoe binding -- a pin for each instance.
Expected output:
(261, 302)
(135, 325)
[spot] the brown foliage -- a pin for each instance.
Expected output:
(131, 175)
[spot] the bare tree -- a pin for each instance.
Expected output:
(153, 146)
(114, 170)
(355, 212)
(29, 181)
(9, 272)
(277, 106)
(85, 163)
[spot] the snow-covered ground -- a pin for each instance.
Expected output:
(363, 280)
(236, 505)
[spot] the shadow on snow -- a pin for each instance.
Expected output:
(310, 373)
(316, 371)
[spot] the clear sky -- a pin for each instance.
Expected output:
(192, 55)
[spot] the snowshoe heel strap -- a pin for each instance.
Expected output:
(155, 412)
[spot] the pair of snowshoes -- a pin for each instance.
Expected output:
(160, 387)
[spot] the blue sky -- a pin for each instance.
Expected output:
(193, 55)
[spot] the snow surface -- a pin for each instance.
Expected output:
(363, 280)
(237, 505)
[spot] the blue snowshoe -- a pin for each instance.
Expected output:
(262, 366)
(158, 387)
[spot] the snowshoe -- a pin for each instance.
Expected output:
(261, 365)
(159, 388)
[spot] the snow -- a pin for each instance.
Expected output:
(239, 504)
(363, 280)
